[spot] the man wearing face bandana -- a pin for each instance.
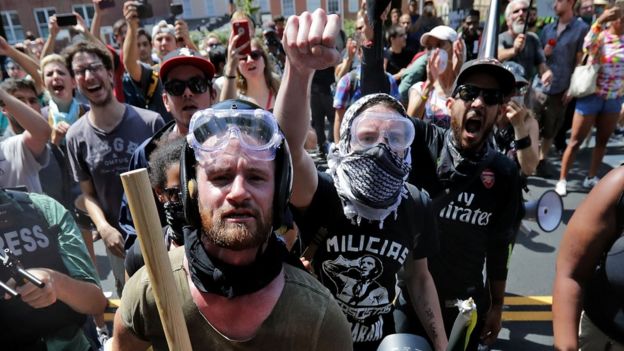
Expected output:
(361, 221)
(518, 46)
(237, 291)
(476, 196)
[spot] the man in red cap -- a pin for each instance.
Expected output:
(186, 77)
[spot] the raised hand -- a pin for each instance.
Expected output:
(310, 41)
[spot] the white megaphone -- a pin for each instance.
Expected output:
(547, 211)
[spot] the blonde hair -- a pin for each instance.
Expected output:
(52, 58)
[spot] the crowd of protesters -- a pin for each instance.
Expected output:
(391, 160)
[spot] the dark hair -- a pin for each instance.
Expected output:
(166, 154)
(85, 46)
(143, 32)
(217, 55)
(393, 32)
(12, 85)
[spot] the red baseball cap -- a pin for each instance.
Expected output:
(185, 56)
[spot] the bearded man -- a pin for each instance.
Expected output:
(237, 291)
(522, 47)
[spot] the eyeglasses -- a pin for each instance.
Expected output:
(469, 93)
(523, 9)
(255, 55)
(256, 131)
(93, 68)
(370, 129)
(176, 87)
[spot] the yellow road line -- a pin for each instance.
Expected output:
(509, 316)
(533, 316)
(528, 300)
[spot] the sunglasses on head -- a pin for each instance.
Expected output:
(469, 93)
(176, 87)
(255, 55)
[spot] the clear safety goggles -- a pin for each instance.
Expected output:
(254, 131)
(372, 128)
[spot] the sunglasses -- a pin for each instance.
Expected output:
(255, 55)
(173, 194)
(176, 87)
(469, 93)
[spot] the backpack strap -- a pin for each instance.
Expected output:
(151, 89)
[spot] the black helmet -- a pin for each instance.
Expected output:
(283, 173)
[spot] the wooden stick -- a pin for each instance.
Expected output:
(147, 223)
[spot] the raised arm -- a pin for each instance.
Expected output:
(53, 29)
(228, 91)
(182, 34)
(96, 22)
(130, 46)
(29, 64)
(589, 232)
(309, 42)
(36, 129)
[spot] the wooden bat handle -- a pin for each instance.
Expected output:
(147, 223)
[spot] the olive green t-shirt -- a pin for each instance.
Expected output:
(306, 317)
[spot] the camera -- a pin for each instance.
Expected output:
(144, 10)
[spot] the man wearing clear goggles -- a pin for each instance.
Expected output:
(361, 221)
(216, 133)
(235, 181)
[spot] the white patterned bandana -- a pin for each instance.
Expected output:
(371, 182)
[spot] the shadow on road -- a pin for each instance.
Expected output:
(525, 238)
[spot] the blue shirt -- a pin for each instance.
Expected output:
(343, 98)
(563, 58)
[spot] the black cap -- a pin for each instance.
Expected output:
(489, 66)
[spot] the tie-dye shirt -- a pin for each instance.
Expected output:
(609, 50)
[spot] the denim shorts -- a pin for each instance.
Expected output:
(594, 105)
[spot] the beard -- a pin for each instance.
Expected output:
(234, 236)
(458, 126)
(101, 103)
(518, 26)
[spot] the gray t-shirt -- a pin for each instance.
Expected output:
(530, 57)
(102, 156)
(18, 165)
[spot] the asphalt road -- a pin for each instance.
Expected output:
(527, 316)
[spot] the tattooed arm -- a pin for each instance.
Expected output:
(424, 298)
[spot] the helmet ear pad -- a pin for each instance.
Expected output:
(283, 184)
(188, 186)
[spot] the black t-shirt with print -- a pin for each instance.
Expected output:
(476, 221)
(358, 263)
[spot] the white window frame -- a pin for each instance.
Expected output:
(292, 7)
(85, 11)
(313, 5)
(10, 28)
(42, 28)
(337, 3)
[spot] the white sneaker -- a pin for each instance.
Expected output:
(589, 183)
(561, 187)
